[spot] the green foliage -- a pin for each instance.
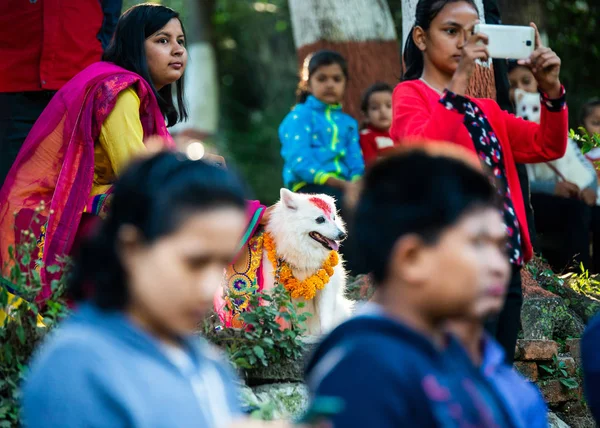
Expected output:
(582, 282)
(21, 330)
(558, 370)
(264, 343)
(586, 141)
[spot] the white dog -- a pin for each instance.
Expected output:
(305, 229)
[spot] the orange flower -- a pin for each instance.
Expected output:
(307, 288)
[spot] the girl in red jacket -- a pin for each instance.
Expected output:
(430, 102)
(376, 107)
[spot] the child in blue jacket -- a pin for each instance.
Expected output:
(319, 142)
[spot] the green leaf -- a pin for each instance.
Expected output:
(570, 383)
(259, 352)
(564, 372)
(21, 334)
(53, 269)
(242, 363)
(547, 369)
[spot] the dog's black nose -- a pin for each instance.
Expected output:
(342, 236)
(525, 117)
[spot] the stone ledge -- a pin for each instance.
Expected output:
(555, 393)
(536, 350)
(529, 369)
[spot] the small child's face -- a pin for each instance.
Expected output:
(328, 84)
(592, 122)
(379, 110)
(469, 267)
(522, 78)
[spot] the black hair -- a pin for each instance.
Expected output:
(426, 12)
(312, 63)
(127, 50)
(586, 110)
(154, 195)
(414, 193)
(374, 88)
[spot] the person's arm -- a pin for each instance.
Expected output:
(111, 10)
(368, 147)
(295, 135)
(415, 116)
(533, 143)
(122, 134)
(590, 349)
(354, 159)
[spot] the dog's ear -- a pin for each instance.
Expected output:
(288, 199)
(519, 93)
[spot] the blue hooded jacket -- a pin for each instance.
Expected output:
(319, 141)
(391, 376)
(100, 370)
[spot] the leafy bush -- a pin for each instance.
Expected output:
(24, 324)
(263, 343)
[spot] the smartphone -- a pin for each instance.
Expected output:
(508, 41)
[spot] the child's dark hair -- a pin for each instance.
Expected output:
(155, 196)
(587, 109)
(127, 50)
(373, 89)
(311, 64)
(426, 12)
(414, 192)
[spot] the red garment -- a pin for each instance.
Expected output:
(373, 142)
(417, 112)
(44, 43)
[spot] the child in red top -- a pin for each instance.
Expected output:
(431, 102)
(376, 106)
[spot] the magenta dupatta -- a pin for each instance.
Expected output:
(56, 162)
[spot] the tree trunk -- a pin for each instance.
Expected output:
(361, 30)
(201, 81)
(482, 82)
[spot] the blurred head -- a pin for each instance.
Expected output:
(173, 227)
(590, 116)
(150, 41)
(440, 31)
(435, 235)
(520, 77)
(324, 75)
(376, 106)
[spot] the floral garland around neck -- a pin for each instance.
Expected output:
(307, 288)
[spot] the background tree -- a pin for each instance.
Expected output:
(363, 31)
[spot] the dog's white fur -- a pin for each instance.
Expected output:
(291, 221)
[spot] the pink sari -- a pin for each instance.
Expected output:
(56, 164)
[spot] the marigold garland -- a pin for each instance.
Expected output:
(307, 288)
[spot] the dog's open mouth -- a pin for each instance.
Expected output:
(329, 244)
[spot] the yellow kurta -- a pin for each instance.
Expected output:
(121, 140)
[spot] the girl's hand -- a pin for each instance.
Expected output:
(545, 66)
(475, 48)
(588, 196)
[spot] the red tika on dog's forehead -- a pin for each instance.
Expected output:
(321, 204)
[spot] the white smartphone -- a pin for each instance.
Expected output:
(508, 41)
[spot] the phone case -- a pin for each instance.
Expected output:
(508, 41)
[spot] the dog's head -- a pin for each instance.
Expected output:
(528, 105)
(312, 219)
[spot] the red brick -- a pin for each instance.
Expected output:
(574, 348)
(529, 369)
(555, 393)
(536, 350)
